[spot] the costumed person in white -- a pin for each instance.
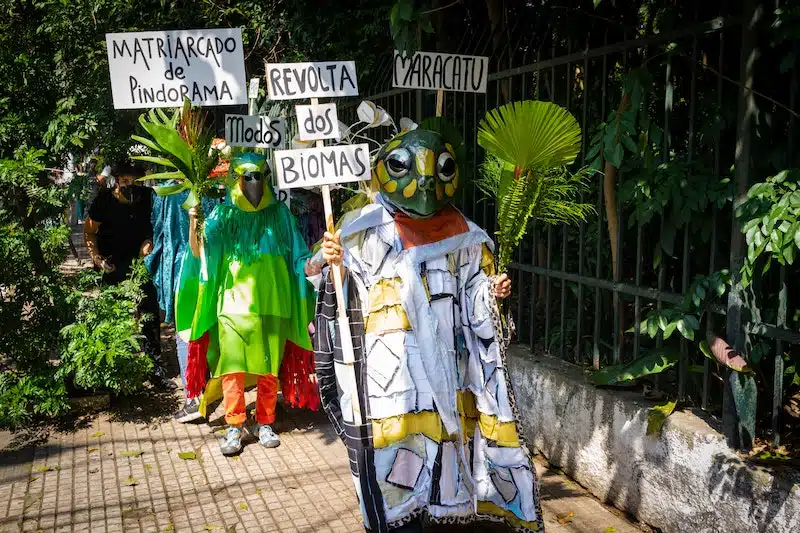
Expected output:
(440, 443)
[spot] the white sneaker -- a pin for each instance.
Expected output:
(267, 437)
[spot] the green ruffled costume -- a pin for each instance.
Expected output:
(248, 292)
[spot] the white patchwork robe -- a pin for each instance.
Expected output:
(440, 439)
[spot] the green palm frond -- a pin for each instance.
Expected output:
(529, 146)
(181, 142)
(531, 135)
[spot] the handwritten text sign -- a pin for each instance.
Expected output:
(255, 131)
(160, 68)
(317, 122)
(312, 167)
(284, 196)
(294, 81)
(426, 70)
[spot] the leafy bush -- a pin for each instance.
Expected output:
(34, 294)
(103, 350)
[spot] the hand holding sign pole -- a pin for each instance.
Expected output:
(322, 165)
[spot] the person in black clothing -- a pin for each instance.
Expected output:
(117, 232)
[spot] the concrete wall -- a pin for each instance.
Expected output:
(686, 481)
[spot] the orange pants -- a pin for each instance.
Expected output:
(233, 399)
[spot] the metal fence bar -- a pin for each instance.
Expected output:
(683, 369)
(582, 225)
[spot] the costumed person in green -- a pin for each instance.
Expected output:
(253, 304)
(439, 440)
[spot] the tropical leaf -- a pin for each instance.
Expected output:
(147, 142)
(172, 144)
(719, 351)
(163, 161)
(657, 416)
(177, 174)
(531, 135)
(653, 363)
(168, 190)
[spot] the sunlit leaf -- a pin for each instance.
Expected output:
(657, 416)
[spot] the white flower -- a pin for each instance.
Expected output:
(372, 115)
(344, 132)
(406, 124)
(298, 143)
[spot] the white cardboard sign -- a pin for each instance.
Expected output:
(317, 122)
(451, 72)
(160, 68)
(312, 167)
(255, 131)
(325, 79)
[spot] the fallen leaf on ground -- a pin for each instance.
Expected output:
(258, 492)
(92, 449)
(170, 528)
(97, 435)
(131, 481)
(212, 527)
(33, 478)
(187, 456)
(131, 453)
(43, 468)
(235, 458)
(565, 518)
(243, 506)
(148, 467)
(611, 529)
(94, 470)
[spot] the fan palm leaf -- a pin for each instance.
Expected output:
(529, 146)
(531, 135)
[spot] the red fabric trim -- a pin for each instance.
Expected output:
(197, 366)
(420, 231)
(298, 380)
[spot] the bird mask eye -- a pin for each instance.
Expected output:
(446, 167)
(398, 163)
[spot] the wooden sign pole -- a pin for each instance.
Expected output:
(348, 354)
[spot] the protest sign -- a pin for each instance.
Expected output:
(160, 68)
(255, 131)
(294, 81)
(450, 72)
(317, 122)
(327, 165)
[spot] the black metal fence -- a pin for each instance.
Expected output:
(567, 300)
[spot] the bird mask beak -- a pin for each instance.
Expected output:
(252, 185)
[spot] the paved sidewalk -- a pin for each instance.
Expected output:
(122, 472)
(133, 469)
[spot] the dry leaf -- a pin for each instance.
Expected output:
(187, 456)
(131, 481)
(212, 527)
(243, 506)
(92, 449)
(565, 518)
(97, 435)
(44, 468)
(611, 529)
(148, 467)
(258, 492)
(170, 528)
(131, 453)
(33, 478)
(235, 457)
